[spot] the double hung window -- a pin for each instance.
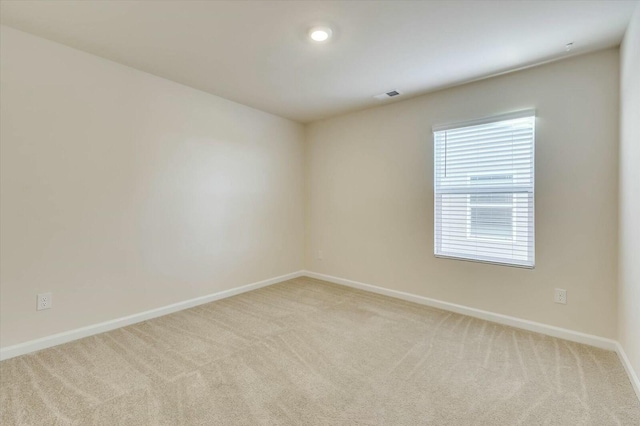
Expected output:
(484, 190)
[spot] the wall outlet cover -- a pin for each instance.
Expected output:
(45, 301)
(560, 296)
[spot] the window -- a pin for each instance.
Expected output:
(484, 190)
(485, 208)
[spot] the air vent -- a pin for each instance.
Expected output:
(388, 95)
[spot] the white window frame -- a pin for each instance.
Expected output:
(519, 238)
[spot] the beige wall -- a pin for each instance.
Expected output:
(122, 192)
(370, 195)
(629, 273)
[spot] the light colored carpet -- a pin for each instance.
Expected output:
(306, 352)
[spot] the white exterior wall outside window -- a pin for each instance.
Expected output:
(484, 189)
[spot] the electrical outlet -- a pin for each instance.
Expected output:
(560, 296)
(320, 255)
(45, 301)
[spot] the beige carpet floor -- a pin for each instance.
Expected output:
(306, 352)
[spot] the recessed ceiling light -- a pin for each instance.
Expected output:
(320, 34)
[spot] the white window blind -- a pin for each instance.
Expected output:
(484, 189)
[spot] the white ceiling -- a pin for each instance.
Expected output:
(257, 53)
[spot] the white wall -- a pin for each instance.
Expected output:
(370, 195)
(122, 191)
(629, 272)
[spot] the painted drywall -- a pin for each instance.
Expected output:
(629, 240)
(123, 192)
(369, 199)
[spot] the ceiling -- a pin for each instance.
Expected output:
(257, 53)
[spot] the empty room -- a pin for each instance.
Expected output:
(319, 212)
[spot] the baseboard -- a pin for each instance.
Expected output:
(79, 333)
(550, 330)
(633, 376)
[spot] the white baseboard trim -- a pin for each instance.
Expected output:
(79, 333)
(633, 376)
(549, 330)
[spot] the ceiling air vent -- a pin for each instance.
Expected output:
(388, 95)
